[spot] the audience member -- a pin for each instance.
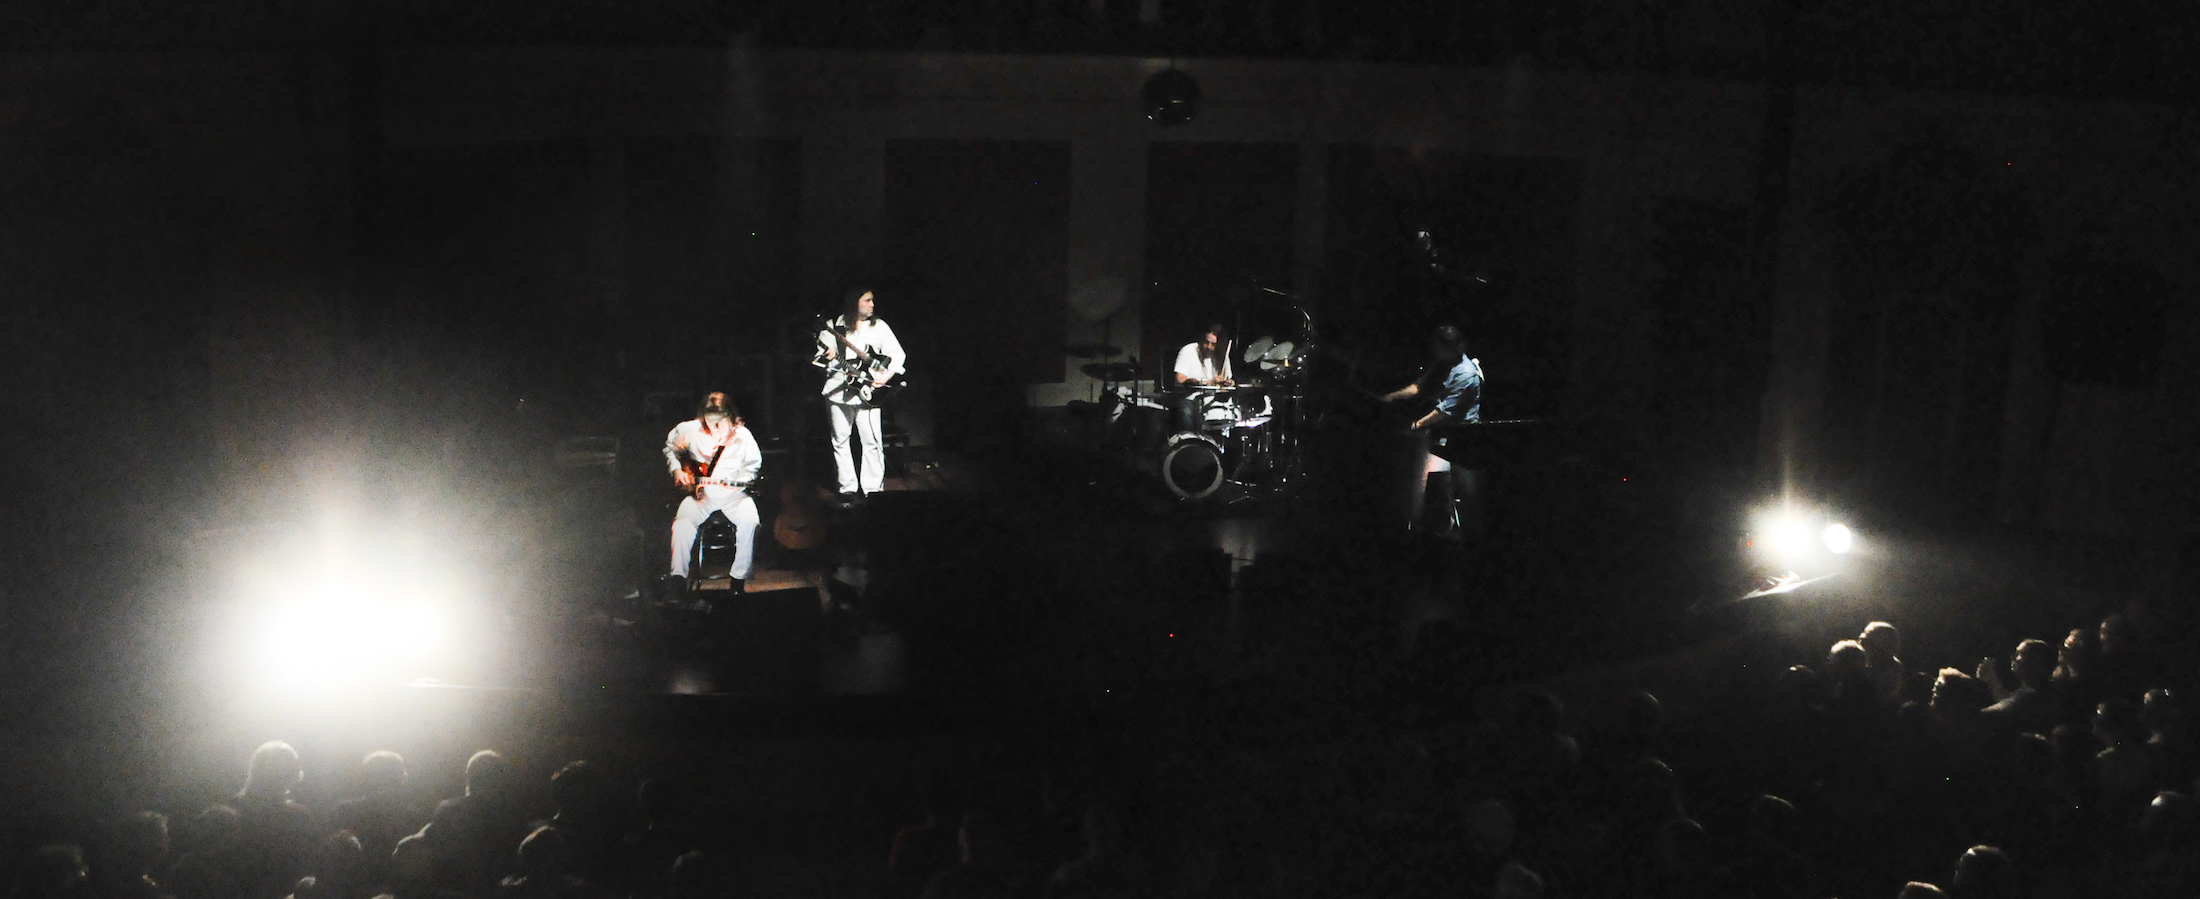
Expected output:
(1105, 870)
(54, 871)
(984, 872)
(211, 865)
(124, 859)
(1983, 872)
(1515, 881)
(2169, 737)
(2078, 687)
(2126, 662)
(926, 848)
(381, 814)
(1882, 658)
(1920, 890)
(338, 870)
(587, 823)
(1965, 738)
(661, 840)
(480, 827)
(274, 831)
(2125, 767)
(2026, 706)
(694, 876)
(540, 872)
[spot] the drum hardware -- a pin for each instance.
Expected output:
(1110, 371)
(1092, 351)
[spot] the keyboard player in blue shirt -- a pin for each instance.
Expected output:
(1455, 379)
(1458, 393)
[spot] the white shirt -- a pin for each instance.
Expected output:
(874, 337)
(1191, 366)
(740, 463)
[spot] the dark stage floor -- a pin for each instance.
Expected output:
(1051, 573)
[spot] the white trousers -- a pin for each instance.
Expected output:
(864, 420)
(739, 508)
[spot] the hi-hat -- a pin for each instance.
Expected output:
(1110, 371)
(1092, 350)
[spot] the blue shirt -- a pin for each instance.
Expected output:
(1460, 399)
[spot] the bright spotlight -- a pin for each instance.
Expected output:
(1837, 538)
(1789, 537)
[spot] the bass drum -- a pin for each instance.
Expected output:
(1192, 465)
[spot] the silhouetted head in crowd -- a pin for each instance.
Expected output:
(2172, 821)
(55, 870)
(1683, 847)
(1515, 881)
(1490, 830)
(2116, 637)
(1772, 818)
(1913, 723)
(2116, 723)
(541, 856)
(2033, 664)
(579, 790)
(1983, 872)
(215, 829)
(2163, 713)
(489, 776)
(1881, 641)
(339, 866)
(2032, 759)
(982, 839)
(2076, 657)
(1800, 688)
(415, 861)
(1637, 723)
(1845, 659)
(382, 773)
(660, 799)
(127, 851)
(694, 876)
(1536, 710)
(272, 772)
(1918, 889)
(1959, 697)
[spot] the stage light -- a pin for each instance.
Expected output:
(1789, 537)
(1837, 538)
(347, 613)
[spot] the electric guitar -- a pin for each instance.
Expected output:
(700, 472)
(846, 377)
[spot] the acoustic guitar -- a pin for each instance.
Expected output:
(801, 521)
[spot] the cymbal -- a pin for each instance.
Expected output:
(1110, 371)
(1092, 351)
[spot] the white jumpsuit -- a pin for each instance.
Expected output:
(849, 412)
(739, 465)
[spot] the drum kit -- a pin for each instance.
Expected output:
(1220, 443)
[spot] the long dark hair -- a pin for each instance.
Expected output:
(703, 404)
(848, 300)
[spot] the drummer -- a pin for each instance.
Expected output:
(1201, 363)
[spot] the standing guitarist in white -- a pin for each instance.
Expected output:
(714, 459)
(849, 382)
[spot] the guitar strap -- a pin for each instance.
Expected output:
(712, 466)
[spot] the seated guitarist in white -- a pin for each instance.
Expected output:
(848, 385)
(717, 424)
